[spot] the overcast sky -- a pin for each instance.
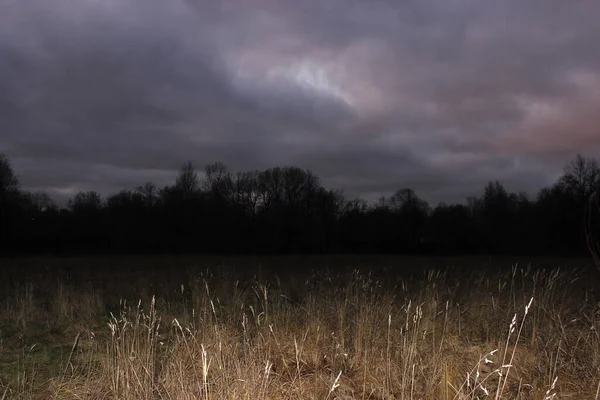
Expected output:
(371, 95)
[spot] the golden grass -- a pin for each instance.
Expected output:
(214, 334)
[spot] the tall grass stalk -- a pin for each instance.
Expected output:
(326, 335)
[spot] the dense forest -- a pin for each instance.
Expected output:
(285, 210)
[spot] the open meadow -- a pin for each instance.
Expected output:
(330, 327)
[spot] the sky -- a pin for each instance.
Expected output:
(440, 96)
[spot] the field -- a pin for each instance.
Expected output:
(299, 328)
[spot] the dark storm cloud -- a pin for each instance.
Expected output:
(373, 96)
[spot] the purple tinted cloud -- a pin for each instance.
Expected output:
(440, 96)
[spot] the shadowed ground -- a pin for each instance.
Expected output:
(340, 327)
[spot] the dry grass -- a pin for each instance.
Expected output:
(217, 334)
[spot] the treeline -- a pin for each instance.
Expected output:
(287, 210)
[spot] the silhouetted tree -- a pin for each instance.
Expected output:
(41, 202)
(9, 191)
(412, 214)
(218, 181)
(149, 194)
(580, 177)
(286, 210)
(84, 226)
(270, 188)
(569, 197)
(85, 203)
(245, 194)
(187, 180)
(450, 228)
(496, 216)
(592, 224)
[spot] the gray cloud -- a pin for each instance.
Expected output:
(373, 96)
